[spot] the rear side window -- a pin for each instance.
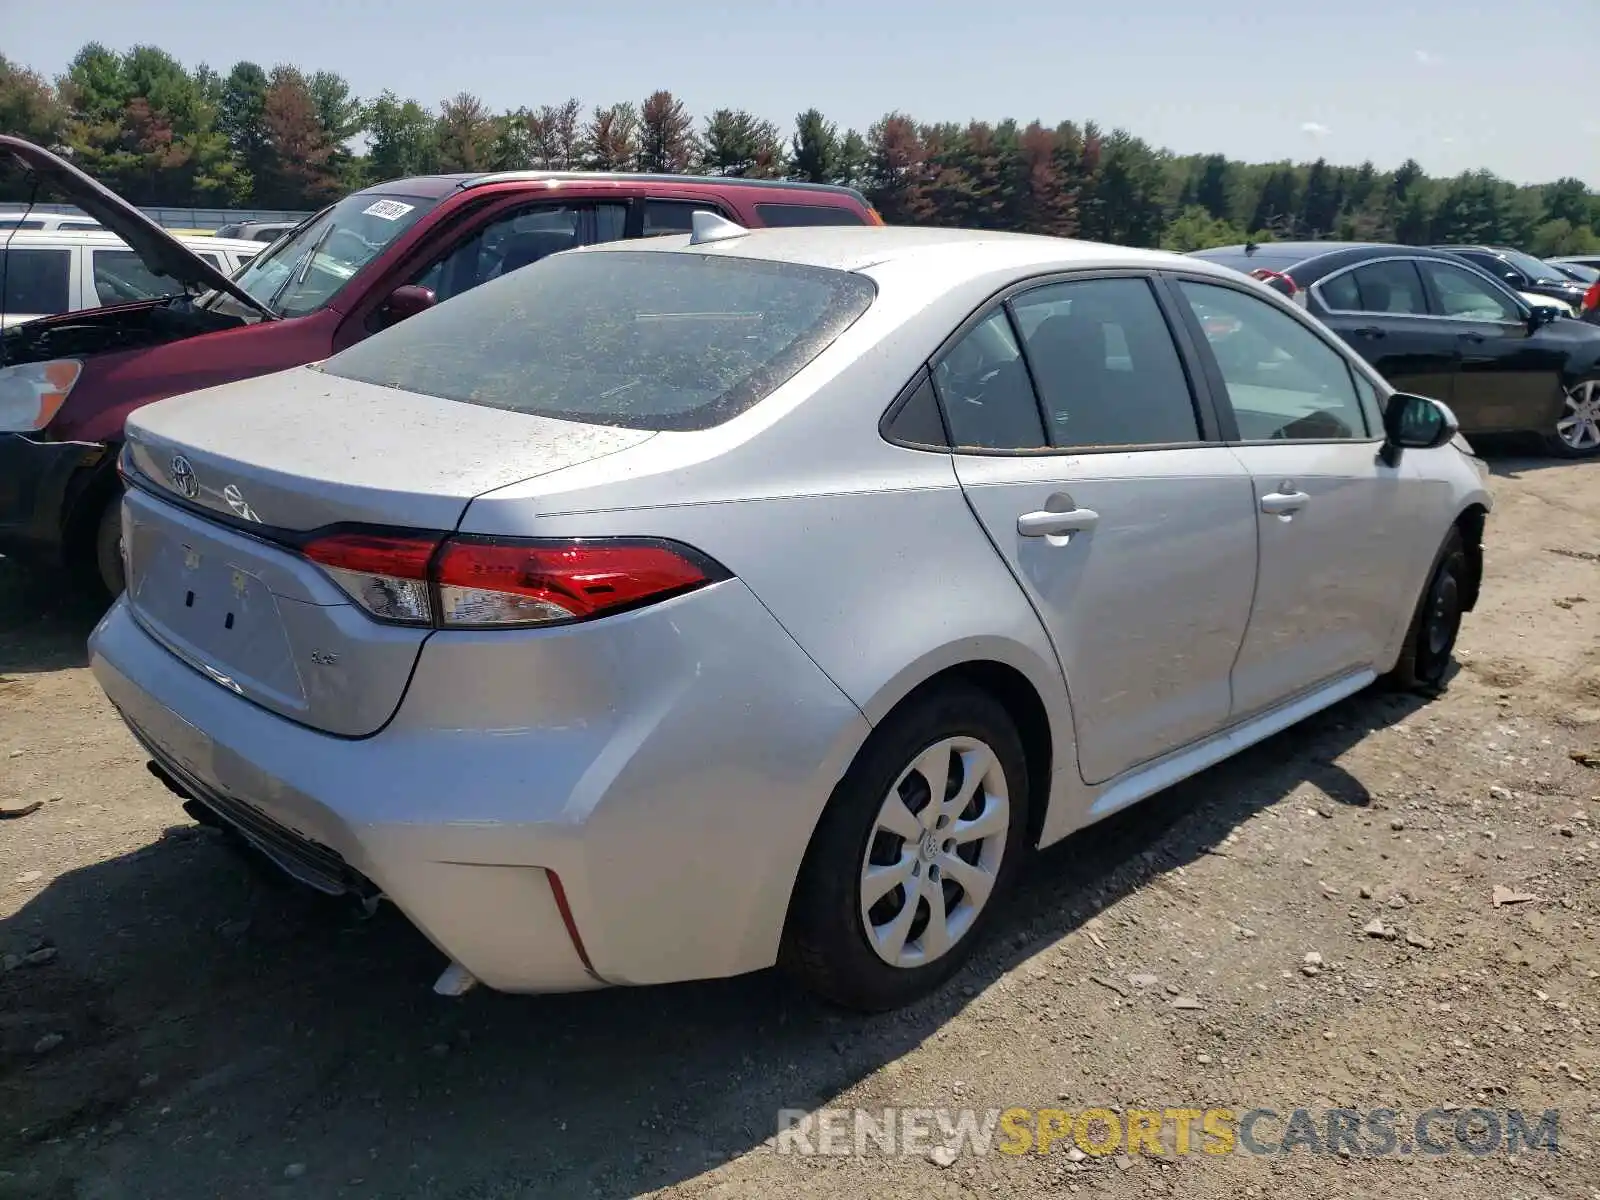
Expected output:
(635, 339)
(983, 382)
(34, 225)
(37, 281)
(781, 216)
(672, 216)
(1391, 287)
(1105, 364)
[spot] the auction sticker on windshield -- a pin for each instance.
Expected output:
(389, 210)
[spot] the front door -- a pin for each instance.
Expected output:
(1380, 309)
(1133, 537)
(1334, 535)
(1508, 378)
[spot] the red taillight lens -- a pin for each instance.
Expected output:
(1591, 298)
(477, 582)
(387, 575)
(484, 582)
(1277, 280)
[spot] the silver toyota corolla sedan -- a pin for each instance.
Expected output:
(667, 610)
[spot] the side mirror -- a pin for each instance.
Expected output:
(407, 301)
(1415, 423)
(1542, 315)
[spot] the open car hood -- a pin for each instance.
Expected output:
(160, 252)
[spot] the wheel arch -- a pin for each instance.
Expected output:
(1470, 522)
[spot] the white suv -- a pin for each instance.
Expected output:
(66, 270)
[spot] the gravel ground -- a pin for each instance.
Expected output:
(194, 1028)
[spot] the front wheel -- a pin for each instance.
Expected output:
(1425, 659)
(919, 843)
(108, 548)
(1577, 432)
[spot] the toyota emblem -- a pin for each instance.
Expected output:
(182, 475)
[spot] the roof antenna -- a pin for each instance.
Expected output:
(710, 227)
(5, 257)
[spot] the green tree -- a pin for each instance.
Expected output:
(465, 134)
(404, 139)
(241, 116)
(814, 150)
(737, 143)
(666, 135)
(29, 107)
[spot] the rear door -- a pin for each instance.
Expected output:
(1129, 527)
(1380, 308)
(1507, 379)
(1334, 529)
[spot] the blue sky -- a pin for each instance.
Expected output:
(1452, 83)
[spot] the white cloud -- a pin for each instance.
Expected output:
(1425, 58)
(1315, 129)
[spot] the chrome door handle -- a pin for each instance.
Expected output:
(1045, 523)
(1281, 504)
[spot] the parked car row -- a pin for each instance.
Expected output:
(630, 608)
(68, 382)
(1432, 322)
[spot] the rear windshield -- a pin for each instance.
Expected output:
(780, 216)
(663, 341)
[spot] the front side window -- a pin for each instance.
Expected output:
(300, 274)
(1468, 296)
(635, 339)
(120, 277)
(1283, 381)
(520, 239)
(982, 381)
(37, 282)
(1107, 370)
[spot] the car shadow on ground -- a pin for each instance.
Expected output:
(45, 619)
(221, 1028)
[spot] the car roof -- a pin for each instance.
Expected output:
(437, 186)
(962, 252)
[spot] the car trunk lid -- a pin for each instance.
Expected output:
(229, 480)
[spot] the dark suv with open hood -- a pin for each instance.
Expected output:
(67, 383)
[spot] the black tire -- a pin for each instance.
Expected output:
(1425, 658)
(825, 946)
(1555, 444)
(108, 548)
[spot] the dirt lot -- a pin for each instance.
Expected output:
(204, 1031)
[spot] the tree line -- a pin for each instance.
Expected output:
(162, 134)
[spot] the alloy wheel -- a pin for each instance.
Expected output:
(1579, 424)
(933, 856)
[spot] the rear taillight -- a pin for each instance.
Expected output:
(1277, 280)
(387, 575)
(1591, 298)
(486, 583)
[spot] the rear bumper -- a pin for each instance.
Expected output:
(673, 802)
(36, 485)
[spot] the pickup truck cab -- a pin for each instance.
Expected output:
(68, 382)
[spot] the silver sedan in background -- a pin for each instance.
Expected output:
(666, 611)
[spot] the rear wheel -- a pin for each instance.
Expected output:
(1577, 432)
(1425, 659)
(916, 849)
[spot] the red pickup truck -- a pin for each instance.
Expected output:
(68, 382)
